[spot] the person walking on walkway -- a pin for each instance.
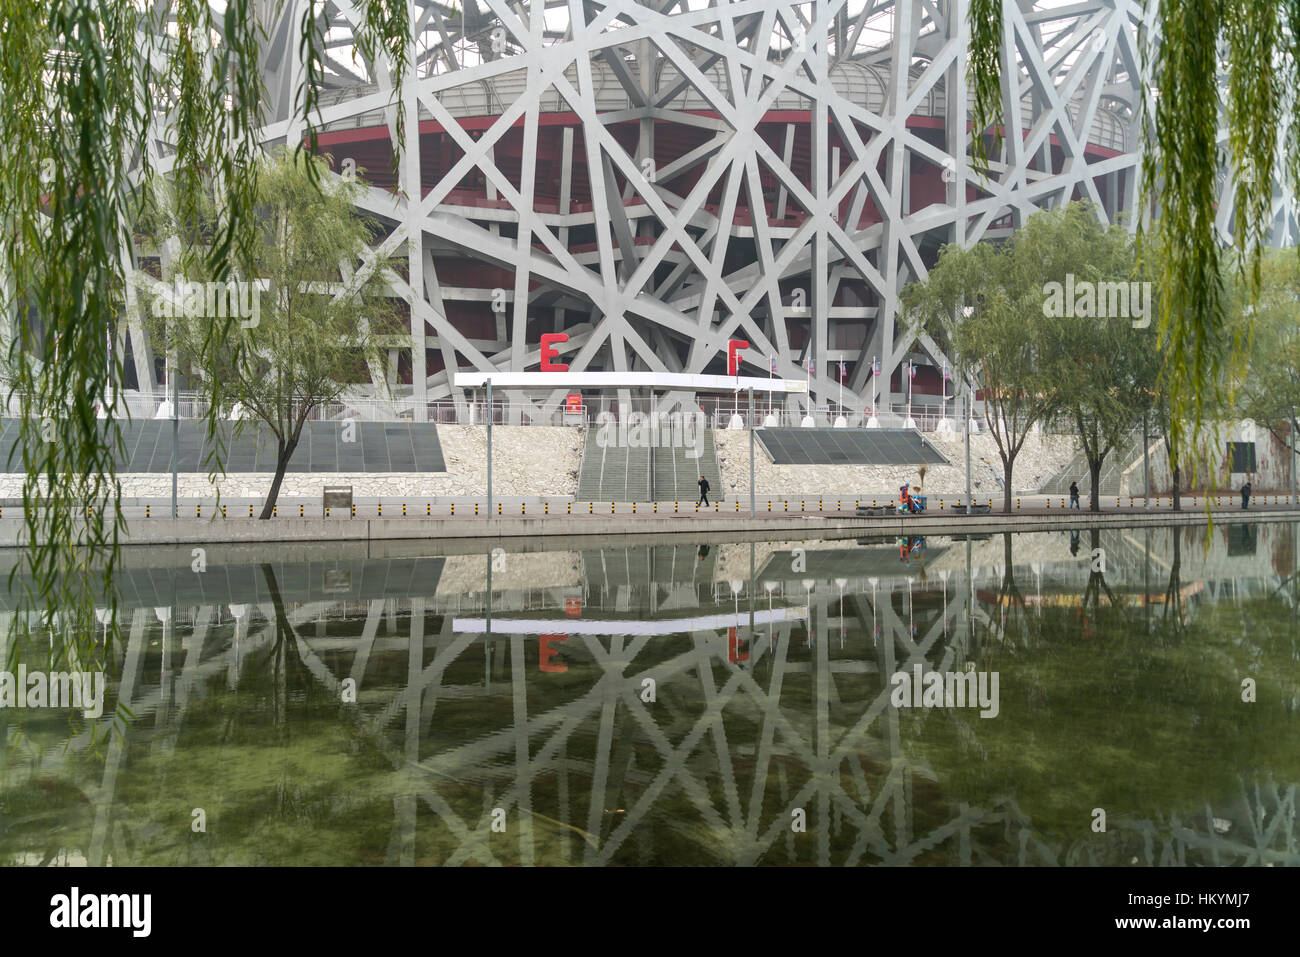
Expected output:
(1074, 495)
(1245, 495)
(704, 492)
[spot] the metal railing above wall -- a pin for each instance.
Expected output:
(720, 412)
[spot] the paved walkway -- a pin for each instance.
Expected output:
(805, 518)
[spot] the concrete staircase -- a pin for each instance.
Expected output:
(663, 474)
(1112, 470)
(613, 473)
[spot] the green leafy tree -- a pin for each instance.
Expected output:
(87, 86)
(1101, 350)
(305, 331)
(1269, 390)
(1207, 65)
(985, 306)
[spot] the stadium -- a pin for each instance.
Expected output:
(653, 181)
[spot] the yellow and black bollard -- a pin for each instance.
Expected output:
(379, 509)
(198, 511)
(546, 508)
(591, 508)
(675, 504)
(1017, 501)
(403, 510)
(302, 511)
(146, 511)
(499, 508)
(568, 508)
(327, 511)
(250, 511)
(354, 511)
(476, 508)
(523, 508)
(634, 508)
(223, 511)
(787, 505)
(611, 508)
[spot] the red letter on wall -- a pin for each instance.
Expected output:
(548, 353)
(734, 654)
(734, 346)
(545, 653)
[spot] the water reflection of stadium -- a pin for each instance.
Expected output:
(769, 662)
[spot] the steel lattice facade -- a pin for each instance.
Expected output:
(656, 179)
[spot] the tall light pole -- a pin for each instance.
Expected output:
(176, 431)
(489, 446)
(970, 411)
(751, 451)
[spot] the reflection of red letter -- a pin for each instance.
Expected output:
(734, 654)
(545, 653)
(548, 353)
(733, 359)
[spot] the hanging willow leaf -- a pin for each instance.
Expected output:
(102, 100)
(1206, 65)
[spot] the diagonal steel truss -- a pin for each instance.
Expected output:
(655, 178)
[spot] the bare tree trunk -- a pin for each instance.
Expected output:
(1094, 473)
(1007, 465)
(283, 454)
(1177, 498)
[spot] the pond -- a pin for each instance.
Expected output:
(1116, 697)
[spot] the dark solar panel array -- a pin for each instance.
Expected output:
(848, 447)
(375, 447)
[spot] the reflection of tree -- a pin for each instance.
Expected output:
(1090, 605)
(1175, 616)
(1011, 601)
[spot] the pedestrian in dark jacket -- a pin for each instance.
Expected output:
(704, 492)
(1074, 495)
(1245, 495)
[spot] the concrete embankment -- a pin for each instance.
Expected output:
(703, 525)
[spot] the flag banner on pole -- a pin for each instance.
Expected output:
(771, 362)
(947, 375)
(875, 367)
(842, 370)
(812, 369)
(911, 371)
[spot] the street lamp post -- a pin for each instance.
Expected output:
(751, 451)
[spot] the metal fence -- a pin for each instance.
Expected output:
(720, 412)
